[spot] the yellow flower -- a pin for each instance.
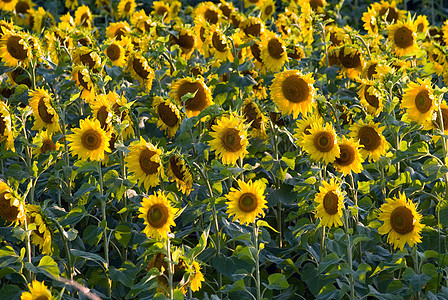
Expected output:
(185, 39)
(126, 8)
(71, 4)
(102, 111)
(248, 3)
(38, 291)
(293, 92)
(252, 27)
(8, 5)
(321, 143)
(83, 17)
(255, 117)
(81, 76)
(87, 57)
(161, 10)
(169, 118)
(370, 23)
(44, 142)
(45, 115)
(144, 162)
(229, 139)
(444, 111)
(403, 37)
(6, 128)
(117, 30)
(389, 10)
(120, 110)
(267, 9)
(198, 277)
(218, 44)
(142, 22)
(89, 141)
(421, 24)
(209, 11)
(179, 172)
(139, 67)
(246, 203)
(116, 53)
(158, 215)
(273, 52)
(40, 233)
(15, 49)
(11, 208)
(351, 61)
(201, 100)
(370, 97)
(330, 203)
(418, 100)
(304, 126)
(401, 222)
(369, 135)
(350, 159)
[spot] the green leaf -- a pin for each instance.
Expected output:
(7, 251)
(84, 190)
(277, 281)
(48, 264)
(123, 234)
(443, 214)
(74, 216)
(89, 256)
(92, 234)
(331, 259)
(266, 224)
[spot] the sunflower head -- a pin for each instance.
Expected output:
(350, 159)
(255, 118)
(202, 95)
(45, 115)
(185, 39)
(40, 231)
(419, 102)
(126, 8)
(6, 128)
(198, 277)
(83, 17)
(330, 203)
(321, 143)
(44, 142)
(370, 97)
(401, 222)
(273, 52)
(169, 117)
(403, 37)
(179, 171)
(351, 61)
(157, 215)
(38, 291)
(139, 67)
(11, 208)
(209, 11)
(15, 49)
(247, 202)
(370, 137)
(83, 79)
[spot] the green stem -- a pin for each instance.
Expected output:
(257, 262)
(349, 256)
(28, 249)
(322, 244)
(66, 248)
(170, 268)
(104, 221)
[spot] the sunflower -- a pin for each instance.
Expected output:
(45, 115)
(370, 137)
(126, 8)
(71, 4)
(403, 37)
(229, 139)
(141, 22)
(145, 164)
(370, 97)
(351, 61)
(89, 141)
(202, 95)
(83, 17)
(15, 49)
(252, 27)
(401, 222)
(122, 112)
(8, 5)
(44, 142)
(139, 67)
(117, 30)
(304, 126)
(179, 172)
(158, 215)
(185, 39)
(267, 9)
(247, 202)
(11, 208)
(116, 52)
(437, 58)
(388, 9)
(40, 232)
(38, 291)
(370, 23)
(209, 11)
(169, 118)
(6, 127)
(421, 24)
(86, 56)
(321, 143)
(293, 92)
(23, 9)
(255, 118)
(273, 52)
(102, 111)
(418, 99)
(350, 159)
(444, 112)
(218, 44)
(227, 8)
(248, 3)
(162, 10)
(81, 76)
(198, 277)
(330, 203)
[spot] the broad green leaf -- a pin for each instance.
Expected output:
(89, 256)
(266, 224)
(277, 281)
(74, 216)
(48, 264)
(331, 259)
(123, 234)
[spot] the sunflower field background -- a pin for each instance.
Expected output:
(252, 149)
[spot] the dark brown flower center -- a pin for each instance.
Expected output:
(253, 29)
(41, 297)
(231, 140)
(47, 145)
(256, 52)
(7, 212)
(316, 3)
(148, 166)
(161, 10)
(199, 101)
(247, 202)
(24, 79)
(87, 60)
(2, 125)
(113, 52)
(91, 139)
(15, 49)
(331, 203)
(157, 215)
(218, 43)
(226, 11)
(275, 48)
(139, 68)
(176, 167)
(423, 102)
(211, 16)
(43, 111)
(6, 1)
(352, 60)
(371, 71)
(184, 41)
(323, 141)
(392, 14)
(85, 20)
(102, 115)
(252, 115)
(22, 7)
(119, 33)
(402, 220)
(127, 7)
(268, 10)
(445, 118)
(403, 38)
(420, 27)
(168, 116)
(347, 155)
(371, 99)
(295, 89)
(82, 82)
(369, 138)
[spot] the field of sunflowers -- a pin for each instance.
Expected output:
(252, 149)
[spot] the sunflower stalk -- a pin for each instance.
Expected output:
(257, 261)
(349, 255)
(170, 268)
(322, 245)
(66, 248)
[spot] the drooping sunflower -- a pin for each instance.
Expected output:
(229, 139)
(89, 140)
(418, 99)
(293, 92)
(161, 9)
(255, 117)
(8, 5)
(139, 67)
(144, 162)
(209, 11)
(247, 202)
(44, 142)
(116, 52)
(389, 10)
(227, 8)
(82, 78)
(45, 115)
(118, 30)
(158, 215)
(248, 3)
(218, 44)
(14, 49)
(185, 39)
(321, 143)
(351, 61)
(169, 117)
(122, 112)
(126, 8)
(102, 111)
(330, 203)
(304, 126)
(401, 222)
(350, 159)
(40, 232)
(86, 56)
(370, 97)
(370, 21)
(403, 37)
(201, 100)
(444, 111)
(22, 10)
(179, 172)
(6, 127)
(83, 17)
(198, 277)
(38, 291)
(273, 52)
(252, 27)
(370, 137)
(437, 58)
(11, 208)
(421, 24)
